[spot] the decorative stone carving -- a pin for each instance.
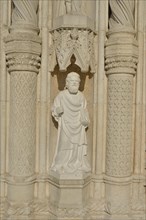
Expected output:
(78, 42)
(69, 110)
(14, 209)
(73, 7)
(23, 66)
(22, 49)
(68, 6)
(117, 195)
(25, 12)
(122, 13)
(115, 64)
(119, 126)
(120, 70)
(22, 151)
(121, 58)
(92, 210)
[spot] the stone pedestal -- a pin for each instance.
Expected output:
(69, 194)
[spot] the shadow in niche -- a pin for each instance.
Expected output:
(61, 76)
(55, 122)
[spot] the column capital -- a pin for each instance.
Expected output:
(23, 52)
(121, 52)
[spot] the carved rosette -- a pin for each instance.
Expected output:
(73, 41)
(23, 62)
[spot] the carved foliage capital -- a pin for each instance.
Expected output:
(78, 42)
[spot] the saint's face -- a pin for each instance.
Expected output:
(73, 84)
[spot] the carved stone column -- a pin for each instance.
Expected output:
(23, 48)
(121, 57)
(121, 64)
(23, 60)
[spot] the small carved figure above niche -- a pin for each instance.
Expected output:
(74, 7)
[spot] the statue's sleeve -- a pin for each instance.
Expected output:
(55, 105)
(84, 112)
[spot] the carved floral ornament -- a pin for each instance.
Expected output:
(72, 41)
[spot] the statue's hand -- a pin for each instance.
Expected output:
(84, 117)
(59, 110)
(85, 123)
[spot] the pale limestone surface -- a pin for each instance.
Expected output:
(41, 42)
(69, 110)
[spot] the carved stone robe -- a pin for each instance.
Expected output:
(71, 143)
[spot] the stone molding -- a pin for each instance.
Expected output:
(121, 52)
(121, 64)
(23, 52)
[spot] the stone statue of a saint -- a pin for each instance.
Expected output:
(69, 110)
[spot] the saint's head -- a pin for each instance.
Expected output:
(73, 82)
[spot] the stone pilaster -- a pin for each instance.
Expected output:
(121, 57)
(23, 62)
